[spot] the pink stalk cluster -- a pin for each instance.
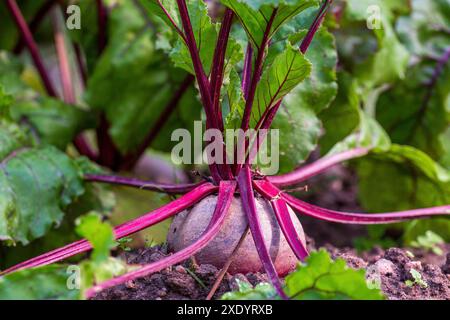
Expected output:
(228, 181)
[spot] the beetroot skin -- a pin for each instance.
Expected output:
(188, 226)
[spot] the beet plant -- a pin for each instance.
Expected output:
(290, 60)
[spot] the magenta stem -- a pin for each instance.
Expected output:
(35, 23)
(284, 219)
(123, 230)
(257, 73)
(226, 192)
(218, 64)
(66, 78)
(144, 185)
(31, 45)
(315, 26)
(247, 71)
(249, 205)
(202, 79)
(177, 29)
(352, 218)
(102, 20)
(313, 169)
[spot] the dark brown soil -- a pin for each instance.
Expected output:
(185, 281)
(391, 268)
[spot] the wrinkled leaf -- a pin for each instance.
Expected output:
(36, 186)
(288, 69)
(255, 16)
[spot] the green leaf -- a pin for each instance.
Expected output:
(297, 119)
(234, 100)
(44, 283)
(421, 37)
(153, 8)
(319, 278)
(205, 34)
(36, 185)
(420, 228)
(320, 88)
(368, 134)
(11, 138)
(402, 178)
(417, 279)
(300, 129)
(52, 121)
(429, 241)
(323, 278)
(416, 110)
(262, 291)
(391, 58)
(255, 15)
(343, 116)
(288, 69)
(133, 82)
(100, 235)
(101, 266)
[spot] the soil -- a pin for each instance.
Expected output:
(337, 190)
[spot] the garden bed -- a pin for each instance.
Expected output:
(191, 281)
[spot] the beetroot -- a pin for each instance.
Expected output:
(189, 225)
(233, 195)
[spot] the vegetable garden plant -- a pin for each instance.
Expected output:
(312, 69)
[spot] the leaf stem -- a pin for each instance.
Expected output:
(313, 169)
(226, 193)
(350, 217)
(203, 83)
(315, 26)
(217, 72)
(177, 29)
(35, 23)
(144, 185)
(102, 19)
(124, 230)
(257, 73)
(284, 220)
(247, 71)
(66, 78)
(31, 45)
(249, 205)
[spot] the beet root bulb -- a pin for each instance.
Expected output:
(189, 225)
